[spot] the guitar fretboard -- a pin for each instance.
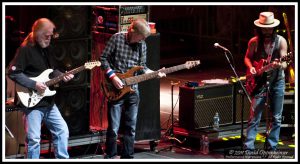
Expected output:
(265, 69)
(152, 75)
(260, 71)
(60, 77)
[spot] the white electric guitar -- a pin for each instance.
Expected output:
(29, 98)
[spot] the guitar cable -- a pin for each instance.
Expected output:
(17, 137)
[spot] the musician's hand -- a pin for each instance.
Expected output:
(253, 70)
(40, 87)
(276, 64)
(68, 77)
(117, 82)
(161, 73)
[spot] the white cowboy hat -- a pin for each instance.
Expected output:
(266, 20)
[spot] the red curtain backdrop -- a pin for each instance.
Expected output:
(98, 102)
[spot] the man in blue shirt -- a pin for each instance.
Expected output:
(122, 52)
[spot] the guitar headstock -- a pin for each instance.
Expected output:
(92, 64)
(288, 58)
(190, 64)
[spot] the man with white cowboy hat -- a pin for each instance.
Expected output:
(268, 91)
(266, 20)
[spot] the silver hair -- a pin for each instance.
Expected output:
(141, 26)
(36, 30)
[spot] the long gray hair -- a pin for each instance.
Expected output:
(36, 30)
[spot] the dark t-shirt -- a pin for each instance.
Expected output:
(29, 62)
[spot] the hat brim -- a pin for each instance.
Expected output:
(276, 23)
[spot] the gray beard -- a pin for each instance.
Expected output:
(43, 44)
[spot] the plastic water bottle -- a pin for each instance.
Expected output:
(205, 145)
(202, 144)
(216, 121)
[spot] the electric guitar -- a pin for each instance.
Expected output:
(29, 98)
(255, 81)
(128, 79)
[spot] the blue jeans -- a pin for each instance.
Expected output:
(55, 123)
(129, 105)
(276, 95)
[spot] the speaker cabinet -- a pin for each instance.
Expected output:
(72, 49)
(72, 54)
(240, 100)
(288, 113)
(148, 122)
(197, 106)
(71, 21)
(14, 132)
(240, 103)
(73, 105)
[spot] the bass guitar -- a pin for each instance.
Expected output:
(129, 79)
(29, 98)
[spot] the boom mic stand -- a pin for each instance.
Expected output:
(170, 130)
(268, 122)
(243, 92)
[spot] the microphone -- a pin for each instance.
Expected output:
(217, 45)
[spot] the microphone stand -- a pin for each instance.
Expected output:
(11, 135)
(170, 131)
(244, 92)
(268, 122)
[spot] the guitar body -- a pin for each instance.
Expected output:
(255, 82)
(129, 79)
(111, 92)
(30, 98)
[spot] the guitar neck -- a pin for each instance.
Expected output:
(265, 69)
(60, 77)
(152, 75)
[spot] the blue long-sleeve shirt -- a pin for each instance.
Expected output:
(121, 56)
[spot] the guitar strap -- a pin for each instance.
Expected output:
(270, 54)
(275, 45)
(140, 49)
(140, 52)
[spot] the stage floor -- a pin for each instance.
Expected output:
(186, 147)
(188, 150)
